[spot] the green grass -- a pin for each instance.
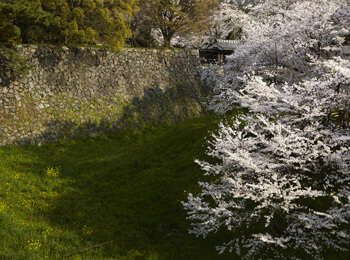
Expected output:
(57, 199)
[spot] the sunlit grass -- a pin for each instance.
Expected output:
(60, 198)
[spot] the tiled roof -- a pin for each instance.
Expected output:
(223, 45)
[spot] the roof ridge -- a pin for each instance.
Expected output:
(227, 41)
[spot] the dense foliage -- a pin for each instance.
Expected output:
(110, 22)
(65, 22)
(282, 186)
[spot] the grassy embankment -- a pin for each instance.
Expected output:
(57, 199)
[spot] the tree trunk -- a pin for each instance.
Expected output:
(167, 39)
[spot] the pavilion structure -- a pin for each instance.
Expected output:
(216, 52)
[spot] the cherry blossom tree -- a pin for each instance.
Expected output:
(244, 5)
(226, 23)
(282, 181)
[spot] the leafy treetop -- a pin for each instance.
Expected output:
(65, 22)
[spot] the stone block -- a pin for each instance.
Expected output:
(195, 53)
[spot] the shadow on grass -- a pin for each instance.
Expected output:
(131, 183)
(127, 183)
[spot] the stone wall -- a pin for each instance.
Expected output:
(80, 92)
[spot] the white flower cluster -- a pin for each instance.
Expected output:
(282, 186)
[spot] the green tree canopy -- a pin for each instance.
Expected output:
(65, 21)
(22, 21)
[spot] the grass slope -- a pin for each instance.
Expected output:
(60, 198)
